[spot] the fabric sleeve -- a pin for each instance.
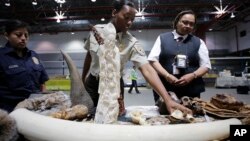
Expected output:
(155, 51)
(204, 55)
(138, 55)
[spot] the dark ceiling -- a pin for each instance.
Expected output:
(158, 14)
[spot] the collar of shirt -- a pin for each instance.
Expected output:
(119, 36)
(9, 49)
(176, 35)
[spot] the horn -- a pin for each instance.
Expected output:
(78, 93)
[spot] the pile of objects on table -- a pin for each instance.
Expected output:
(221, 106)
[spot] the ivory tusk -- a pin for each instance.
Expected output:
(37, 127)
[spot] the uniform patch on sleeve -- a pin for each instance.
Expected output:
(140, 50)
(35, 60)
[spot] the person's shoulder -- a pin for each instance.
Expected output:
(34, 53)
(166, 34)
(194, 36)
(3, 50)
(131, 37)
(106, 29)
(100, 26)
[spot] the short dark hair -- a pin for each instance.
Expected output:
(182, 13)
(13, 25)
(118, 4)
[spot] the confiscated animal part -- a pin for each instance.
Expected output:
(76, 112)
(178, 117)
(137, 118)
(177, 114)
(107, 110)
(226, 101)
(222, 112)
(186, 101)
(78, 93)
(190, 118)
(46, 104)
(245, 109)
(246, 121)
(158, 120)
(8, 129)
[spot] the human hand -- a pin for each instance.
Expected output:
(172, 105)
(184, 80)
(171, 79)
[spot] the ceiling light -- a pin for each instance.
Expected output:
(102, 19)
(232, 15)
(59, 16)
(93, 0)
(220, 10)
(7, 3)
(210, 29)
(34, 2)
(142, 17)
(60, 1)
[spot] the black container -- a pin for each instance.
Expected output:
(242, 89)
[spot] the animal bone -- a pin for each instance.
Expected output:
(177, 114)
(76, 112)
(137, 118)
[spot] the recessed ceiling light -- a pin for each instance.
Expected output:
(7, 3)
(34, 2)
(93, 0)
(232, 15)
(60, 1)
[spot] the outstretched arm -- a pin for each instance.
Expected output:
(153, 79)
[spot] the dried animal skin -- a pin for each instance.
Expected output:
(159, 120)
(76, 112)
(47, 103)
(8, 127)
(226, 101)
(221, 112)
(109, 83)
